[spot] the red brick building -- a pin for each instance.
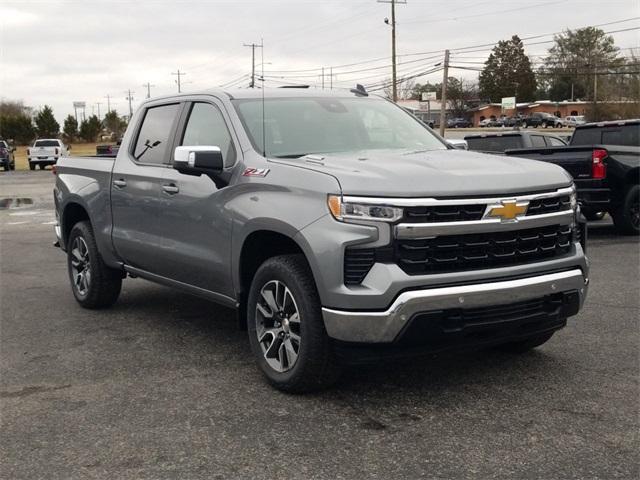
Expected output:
(559, 109)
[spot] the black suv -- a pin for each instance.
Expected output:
(7, 159)
(542, 119)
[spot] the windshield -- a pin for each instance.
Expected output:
(46, 143)
(299, 126)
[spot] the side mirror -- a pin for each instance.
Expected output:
(198, 159)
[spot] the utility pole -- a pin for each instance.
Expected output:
(178, 74)
(323, 78)
(443, 100)
(394, 86)
(108, 97)
(148, 87)
(98, 105)
(331, 78)
(130, 98)
(253, 61)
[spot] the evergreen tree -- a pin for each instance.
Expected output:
(70, 129)
(46, 124)
(508, 73)
(114, 123)
(90, 129)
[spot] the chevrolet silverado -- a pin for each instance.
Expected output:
(340, 227)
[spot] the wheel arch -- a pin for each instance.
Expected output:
(258, 246)
(74, 211)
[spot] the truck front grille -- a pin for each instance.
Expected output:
(549, 205)
(454, 253)
(444, 213)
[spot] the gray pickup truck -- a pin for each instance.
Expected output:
(340, 227)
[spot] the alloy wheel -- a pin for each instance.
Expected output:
(278, 326)
(80, 266)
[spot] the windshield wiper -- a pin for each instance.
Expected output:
(292, 155)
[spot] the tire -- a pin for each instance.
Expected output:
(594, 216)
(524, 124)
(101, 287)
(42, 166)
(627, 217)
(32, 166)
(523, 346)
(283, 289)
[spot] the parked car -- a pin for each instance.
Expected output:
(7, 157)
(45, 151)
(498, 142)
(604, 160)
(574, 120)
(108, 150)
(459, 123)
(485, 122)
(511, 121)
(339, 227)
(542, 119)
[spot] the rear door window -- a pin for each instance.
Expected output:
(538, 141)
(586, 136)
(555, 142)
(155, 134)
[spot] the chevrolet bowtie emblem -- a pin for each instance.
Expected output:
(507, 210)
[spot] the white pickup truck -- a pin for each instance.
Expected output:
(46, 151)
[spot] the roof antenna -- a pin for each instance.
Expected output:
(359, 90)
(264, 140)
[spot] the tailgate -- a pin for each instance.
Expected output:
(575, 160)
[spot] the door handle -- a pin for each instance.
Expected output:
(121, 183)
(170, 188)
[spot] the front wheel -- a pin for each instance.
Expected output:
(286, 329)
(627, 216)
(594, 216)
(93, 283)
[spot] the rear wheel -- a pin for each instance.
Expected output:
(42, 166)
(286, 329)
(94, 284)
(524, 124)
(525, 345)
(32, 166)
(627, 216)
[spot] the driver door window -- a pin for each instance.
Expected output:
(206, 126)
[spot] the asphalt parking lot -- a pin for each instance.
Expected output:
(163, 385)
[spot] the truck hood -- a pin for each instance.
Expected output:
(434, 173)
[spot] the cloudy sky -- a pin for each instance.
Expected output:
(57, 51)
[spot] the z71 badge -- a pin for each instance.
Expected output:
(255, 172)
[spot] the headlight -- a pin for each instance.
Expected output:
(361, 211)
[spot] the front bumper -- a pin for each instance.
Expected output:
(385, 326)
